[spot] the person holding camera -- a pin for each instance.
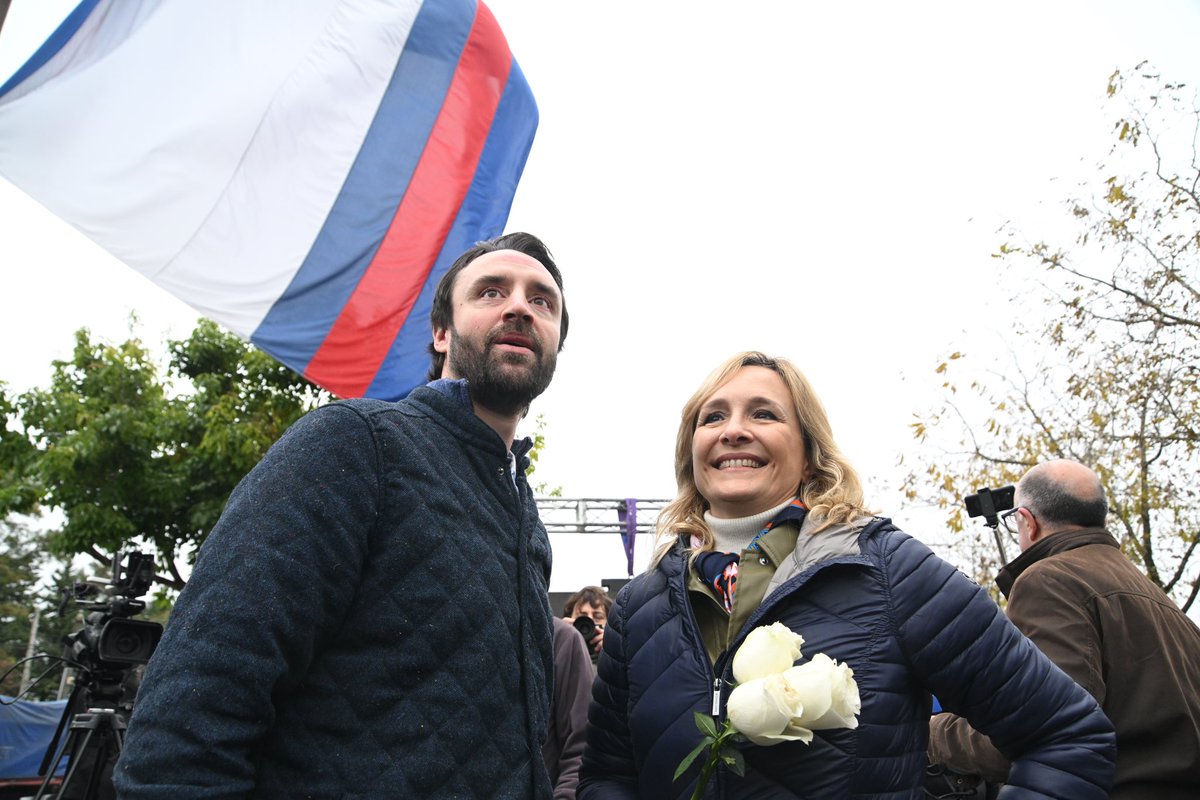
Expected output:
(1117, 634)
(587, 610)
(575, 635)
(573, 673)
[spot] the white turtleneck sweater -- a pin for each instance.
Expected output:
(733, 535)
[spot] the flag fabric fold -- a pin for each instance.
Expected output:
(302, 173)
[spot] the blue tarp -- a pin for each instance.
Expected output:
(26, 728)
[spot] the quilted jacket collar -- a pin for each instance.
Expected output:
(448, 411)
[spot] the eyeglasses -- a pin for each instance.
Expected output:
(1010, 524)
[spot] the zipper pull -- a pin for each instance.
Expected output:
(716, 707)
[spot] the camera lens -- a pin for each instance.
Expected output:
(128, 641)
(586, 627)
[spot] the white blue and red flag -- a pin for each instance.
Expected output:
(301, 171)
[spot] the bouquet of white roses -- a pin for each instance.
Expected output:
(774, 701)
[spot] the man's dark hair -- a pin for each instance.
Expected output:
(594, 596)
(1052, 504)
(442, 314)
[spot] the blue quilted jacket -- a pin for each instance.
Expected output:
(907, 623)
(369, 618)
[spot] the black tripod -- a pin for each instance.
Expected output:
(94, 739)
(107, 652)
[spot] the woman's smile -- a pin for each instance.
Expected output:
(747, 448)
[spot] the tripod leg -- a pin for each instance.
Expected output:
(50, 770)
(94, 758)
(99, 786)
(74, 748)
(46, 769)
(92, 755)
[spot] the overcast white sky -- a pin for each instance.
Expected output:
(822, 181)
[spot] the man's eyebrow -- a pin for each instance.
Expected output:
(546, 288)
(490, 280)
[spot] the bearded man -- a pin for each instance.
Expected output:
(329, 642)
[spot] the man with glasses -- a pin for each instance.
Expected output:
(1104, 623)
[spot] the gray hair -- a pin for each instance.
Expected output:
(1053, 504)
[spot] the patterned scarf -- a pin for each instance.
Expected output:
(720, 570)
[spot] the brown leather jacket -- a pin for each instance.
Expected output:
(1120, 637)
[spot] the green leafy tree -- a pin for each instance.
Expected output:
(541, 489)
(18, 577)
(132, 453)
(1116, 386)
(17, 493)
(22, 595)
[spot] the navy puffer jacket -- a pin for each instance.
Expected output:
(907, 623)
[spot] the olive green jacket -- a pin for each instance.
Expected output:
(785, 551)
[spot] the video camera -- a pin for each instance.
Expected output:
(110, 640)
(106, 652)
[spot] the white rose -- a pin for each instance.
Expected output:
(767, 650)
(765, 711)
(790, 705)
(827, 692)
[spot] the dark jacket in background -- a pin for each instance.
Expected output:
(338, 637)
(1087, 607)
(905, 621)
(573, 674)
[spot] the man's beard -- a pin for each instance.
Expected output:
(504, 391)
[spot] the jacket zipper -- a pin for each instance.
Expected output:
(717, 669)
(713, 671)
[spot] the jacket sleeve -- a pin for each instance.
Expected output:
(1047, 610)
(963, 649)
(955, 744)
(572, 688)
(609, 771)
(274, 578)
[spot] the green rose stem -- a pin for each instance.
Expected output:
(706, 772)
(720, 749)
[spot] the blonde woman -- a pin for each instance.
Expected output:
(770, 525)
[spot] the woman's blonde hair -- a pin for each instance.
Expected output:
(831, 491)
